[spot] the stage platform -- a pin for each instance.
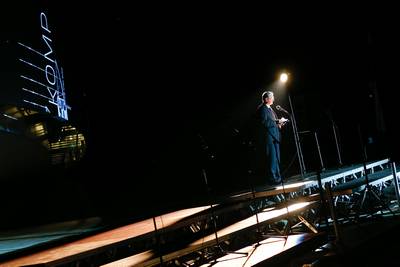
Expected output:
(13, 241)
(178, 235)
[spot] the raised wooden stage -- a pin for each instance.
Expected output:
(239, 221)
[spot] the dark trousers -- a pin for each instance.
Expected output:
(273, 160)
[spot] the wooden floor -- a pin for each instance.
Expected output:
(147, 258)
(17, 240)
(247, 256)
(62, 253)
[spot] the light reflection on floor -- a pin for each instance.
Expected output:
(258, 252)
(268, 214)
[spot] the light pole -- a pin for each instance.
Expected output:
(283, 79)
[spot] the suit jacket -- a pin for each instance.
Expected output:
(269, 122)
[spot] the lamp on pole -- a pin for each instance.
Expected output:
(284, 77)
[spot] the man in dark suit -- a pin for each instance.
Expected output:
(271, 125)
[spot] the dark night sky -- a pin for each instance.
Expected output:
(145, 81)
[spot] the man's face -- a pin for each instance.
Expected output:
(270, 100)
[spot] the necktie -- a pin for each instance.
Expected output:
(274, 114)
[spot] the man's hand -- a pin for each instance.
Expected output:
(282, 121)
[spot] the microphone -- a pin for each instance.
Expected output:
(282, 109)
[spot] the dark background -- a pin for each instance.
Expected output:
(164, 91)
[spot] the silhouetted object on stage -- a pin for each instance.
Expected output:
(205, 149)
(315, 135)
(322, 198)
(319, 151)
(338, 245)
(335, 135)
(368, 193)
(158, 243)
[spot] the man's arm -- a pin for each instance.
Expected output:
(266, 118)
(269, 123)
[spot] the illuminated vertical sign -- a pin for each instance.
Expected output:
(42, 77)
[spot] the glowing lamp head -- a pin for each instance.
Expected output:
(284, 77)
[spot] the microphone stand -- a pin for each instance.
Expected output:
(296, 136)
(337, 138)
(319, 151)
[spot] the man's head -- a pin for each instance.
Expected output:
(268, 97)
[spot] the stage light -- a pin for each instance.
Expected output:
(284, 77)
